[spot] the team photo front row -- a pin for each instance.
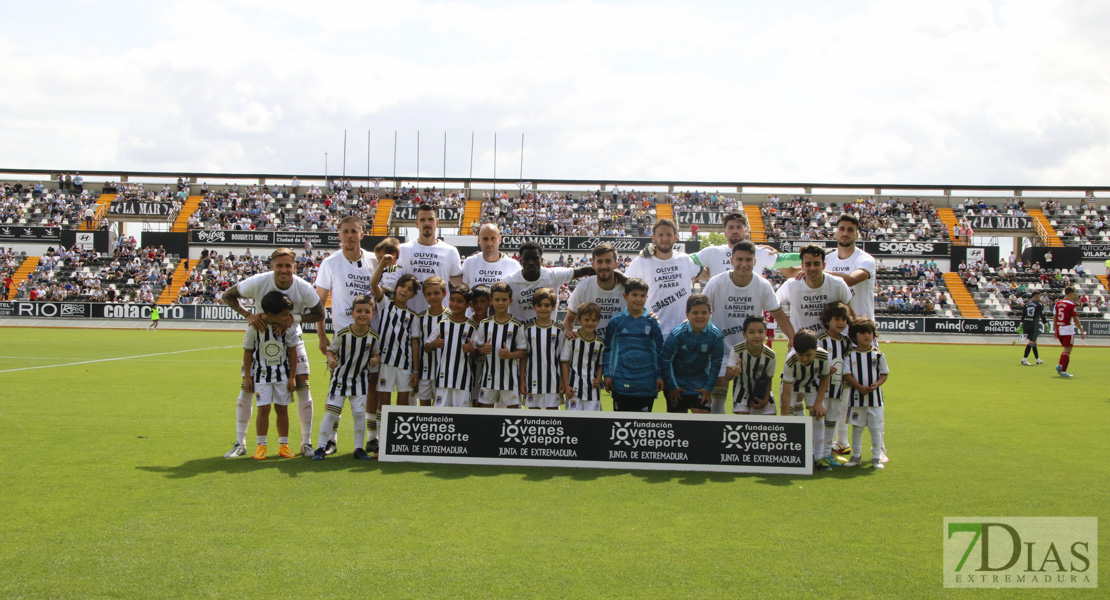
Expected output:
(475, 353)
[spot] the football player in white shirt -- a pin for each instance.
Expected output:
(532, 276)
(347, 273)
(669, 275)
(857, 269)
(491, 265)
(427, 256)
(715, 259)
(606, 290)
(808, 295)
(736, 295)
(306, 306)
(854, 266)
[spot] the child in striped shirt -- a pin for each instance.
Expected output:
(835, 341)
(751, 366)
(866, 371)
(352, 353)
(806, 379)
(269, 361)
(581, 361)
(450, 342)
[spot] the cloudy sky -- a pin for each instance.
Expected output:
(961, 92)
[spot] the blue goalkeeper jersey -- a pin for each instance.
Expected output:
(633, 354)
(693, 360)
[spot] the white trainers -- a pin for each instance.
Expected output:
(878, 464)
(1025, 361)
(236, 451)
(307, 451)
(1040, 362)
(852, 462)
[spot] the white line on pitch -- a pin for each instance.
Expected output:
(85, 362)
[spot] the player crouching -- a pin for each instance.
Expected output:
(351, 354)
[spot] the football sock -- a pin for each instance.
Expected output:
(857, 440)
(244, 405)
(718, 397)
(304, 411)
(1064, 360)
(283, 440)
(327, 425)
(1027, 349)
(818, 438)
(360, 427)
(371, 427)
(262, 440)
(876, 442)
(1036, 355)
(842, 425)
(830, 433)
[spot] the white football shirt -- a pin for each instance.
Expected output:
(807, 303)
(301, 292)
(521, 308)
(718, 259)
(440, 259)
(344, 280)
(732, 304)
(668, 286)
(611, 301)
(477, 271)
(863, 293)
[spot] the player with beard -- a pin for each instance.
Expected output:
(807, 296)
(306, 306)
(606, 290)
(491, 265)
(736, 295)
(716, 259)
(533, 276)
(342, 277)
(857, 269)
(669, 275)
(427, 256)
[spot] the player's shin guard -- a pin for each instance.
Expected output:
(244, 406)
(359, 416)
(877, 449)
(842, 425)
(718, 397)
(328, 425)
(304, 411)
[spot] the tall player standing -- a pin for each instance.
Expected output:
(736, 295)
(808, 296)
(427, 256)
(533, 276)
(1066, 320)
(491, 265)
(669, 275)
(306, 308)
(857, 269)
(1032, 320)
(342, 277)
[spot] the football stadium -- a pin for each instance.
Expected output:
(229, 381)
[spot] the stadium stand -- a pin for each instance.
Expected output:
(914, 288)
(40, 206)
(256, 208)
(552, 213)
(128, 275)
(802, 218)
(215, 272)
(1077, 225)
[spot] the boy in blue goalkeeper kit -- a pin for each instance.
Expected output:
(692, 356)
(633, 364)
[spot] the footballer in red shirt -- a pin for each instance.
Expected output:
(1066, 320)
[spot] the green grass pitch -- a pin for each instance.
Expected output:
(113, 486)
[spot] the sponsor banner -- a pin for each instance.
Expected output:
(974, 326)
(48, 310)
(408, 213)
(292, 239)
(700, 217)
(904, 249)
(1098, 328)
(901, 324)
(1096, 250)
(587, 243)
(136, 208)
(606, 440)
(907, 249)
(1000, 222)
(22, 233)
